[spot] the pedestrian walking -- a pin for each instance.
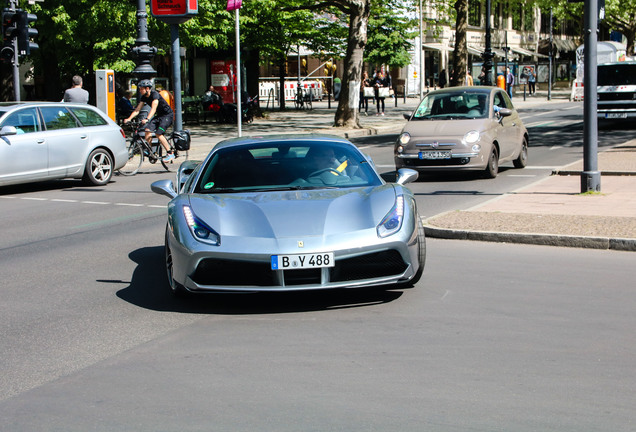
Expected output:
(381, 85)
(366, 91)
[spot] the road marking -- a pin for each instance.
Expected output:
(84, 202)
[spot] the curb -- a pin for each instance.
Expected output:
(618, 244)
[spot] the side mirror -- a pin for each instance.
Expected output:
(8, 130)
(406, 175)
(505, 112)
(408, 115)
(164, 187)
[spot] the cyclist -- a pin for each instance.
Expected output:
(159, 118)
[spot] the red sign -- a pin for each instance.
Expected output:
(234, 4)
(181, 10)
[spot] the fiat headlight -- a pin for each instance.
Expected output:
(392, 222)
(199, 229)
(471, 137)
(404, 138)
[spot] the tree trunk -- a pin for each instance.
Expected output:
(461, 50)
(348, 110)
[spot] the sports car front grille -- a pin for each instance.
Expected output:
(379, 264)
(235, 273)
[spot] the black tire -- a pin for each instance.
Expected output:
(168, 166)
(177, 289)
(492, 169)
(99, 168)
(135, 159)
(522, 160)
(421, 255)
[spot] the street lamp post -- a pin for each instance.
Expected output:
(488, 54)
(142, 51)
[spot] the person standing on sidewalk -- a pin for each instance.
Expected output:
(364, 85)
(381, 82)
(76, 94)
(510, 81)
(532, 80)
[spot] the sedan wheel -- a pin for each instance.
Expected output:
(522, 160)
(493, 164)
(99, 168)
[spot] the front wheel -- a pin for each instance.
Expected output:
(99, 168)
(493, 164)
(522, 160)
(178, 290)
(135, 159)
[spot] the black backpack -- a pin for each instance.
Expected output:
(181, 140)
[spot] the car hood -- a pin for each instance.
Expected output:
(294, 213)
(438, 128)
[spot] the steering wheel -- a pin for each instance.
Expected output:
(332, 170)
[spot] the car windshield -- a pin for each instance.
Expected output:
(453, 105)
(285, 167)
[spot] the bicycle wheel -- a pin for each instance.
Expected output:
(168, 166)
(135, 158)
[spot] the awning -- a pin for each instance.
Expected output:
(475, 51)
(436, 47)
(526, 52)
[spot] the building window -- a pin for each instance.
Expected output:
(528, 18)
(515, 10)
(474, 14)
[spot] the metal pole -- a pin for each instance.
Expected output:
(590, 177)
(421, 53)
(16, 70)
(550, 68)
(488, 54)
(176, 75)
(239, 107)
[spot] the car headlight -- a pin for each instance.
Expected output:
(392, 222)
(471, 137)
(404, 138)
(199, 229)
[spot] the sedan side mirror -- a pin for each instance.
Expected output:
(164, 187)
(505, 112)
(408, 115)
(8, 130)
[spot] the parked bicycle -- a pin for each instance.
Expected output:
(139, 149)
(303, 99)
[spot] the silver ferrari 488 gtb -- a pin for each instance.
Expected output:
(290, 212)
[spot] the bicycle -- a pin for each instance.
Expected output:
(303, 99)
(138, 149)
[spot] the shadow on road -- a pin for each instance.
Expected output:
(149, 289)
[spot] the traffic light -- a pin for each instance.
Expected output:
(26, 33)
(9, 31)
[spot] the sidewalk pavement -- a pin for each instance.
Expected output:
(549, 212)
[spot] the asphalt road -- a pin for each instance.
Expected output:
(494, 337)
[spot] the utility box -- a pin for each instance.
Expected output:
(105, 89)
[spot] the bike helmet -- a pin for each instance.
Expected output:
(145, 83)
